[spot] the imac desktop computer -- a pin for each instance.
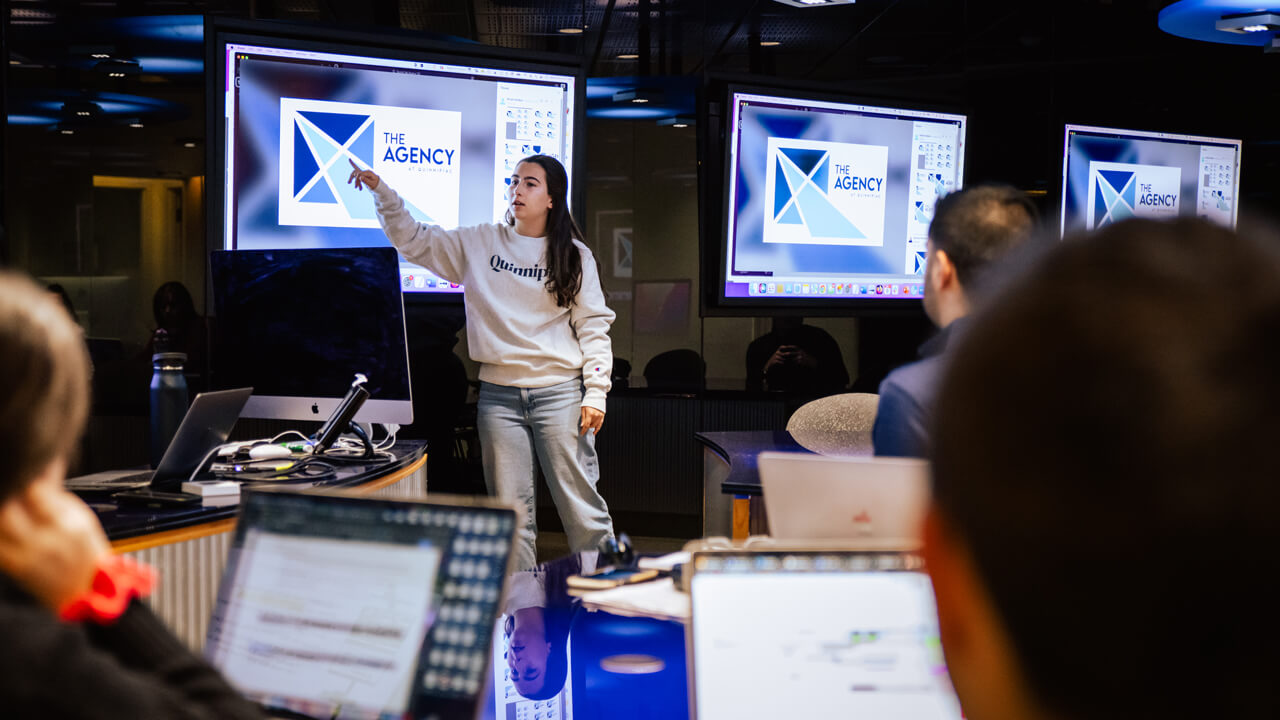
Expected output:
(297, 325)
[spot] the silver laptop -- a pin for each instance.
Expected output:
(206, 425)
(812, 497)
(815, 634)
(334, 605)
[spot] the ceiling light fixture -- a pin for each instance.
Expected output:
(769, 43)
(571, 30)
(629, 56)
(814, 3)
(81, 109)
(117, 68)
(1248, 22)
(638, 95)
(677, 121)
(1230, 22)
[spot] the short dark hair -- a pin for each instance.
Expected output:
(1104, 448)
(44, 381)
(979, 224)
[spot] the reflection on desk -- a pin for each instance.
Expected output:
(587, 664)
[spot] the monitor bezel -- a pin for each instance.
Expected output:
(394, 44)
(267, 496)
(1184, 138)
(719, 144)
(318, 408)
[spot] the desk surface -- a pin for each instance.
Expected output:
(128, 526)
(740, 449)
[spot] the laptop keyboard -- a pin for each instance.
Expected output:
(116, 483)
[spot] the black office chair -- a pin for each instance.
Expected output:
(676, 371)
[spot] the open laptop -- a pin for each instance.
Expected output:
(815, 634)
(814, 497)
(339, 606)
(206, 425)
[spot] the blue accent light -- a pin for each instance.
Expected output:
(170, 65)
(678, 97)
(629, 113)
(1196, 19)
(112, 107)
(31, 120)
(174, 28)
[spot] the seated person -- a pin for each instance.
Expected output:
(971, 228)
(796, 358)
(1103, 534)
(77, 640)
(185, 329)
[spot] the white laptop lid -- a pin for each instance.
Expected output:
(814, 497)
(337, 606)
(816, 634)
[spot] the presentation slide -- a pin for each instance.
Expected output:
(446, 137)
(833, 199)
(1109, 175)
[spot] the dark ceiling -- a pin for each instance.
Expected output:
(1020, 69)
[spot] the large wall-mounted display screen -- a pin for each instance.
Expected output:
(830, 202)
(445, 133)
(1109, 175)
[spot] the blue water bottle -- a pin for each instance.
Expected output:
(168, 394)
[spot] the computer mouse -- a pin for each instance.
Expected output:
(268, 451)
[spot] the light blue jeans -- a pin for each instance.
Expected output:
(517, 425)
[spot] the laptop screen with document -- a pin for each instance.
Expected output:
(816, 634)
(336, 606)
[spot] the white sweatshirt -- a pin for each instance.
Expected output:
(515, 330)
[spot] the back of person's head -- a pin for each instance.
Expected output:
(1105, 455)
(979, 224)
(44, 381)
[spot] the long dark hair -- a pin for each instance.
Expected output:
(564, 261)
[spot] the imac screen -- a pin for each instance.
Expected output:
(445, 136)
(297, 325)
(1110, 175)
(830, 201)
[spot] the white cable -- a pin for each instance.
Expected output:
(289, 432)
(211, 453)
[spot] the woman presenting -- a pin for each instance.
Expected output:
(538, 325)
